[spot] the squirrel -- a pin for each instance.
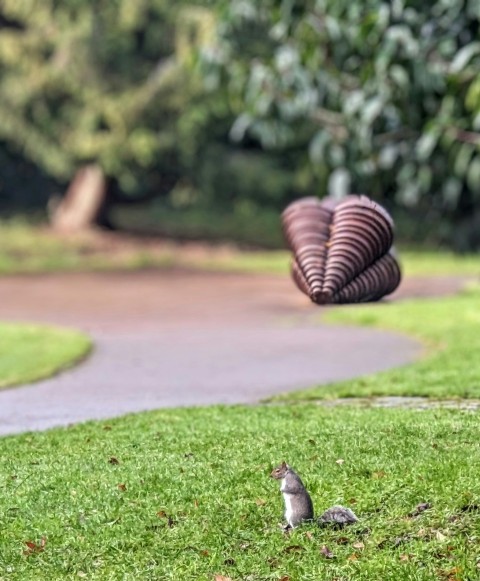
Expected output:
(299, 506)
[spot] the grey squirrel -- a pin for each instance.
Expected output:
(299, 506)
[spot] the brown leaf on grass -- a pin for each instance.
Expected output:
(170, 521)
(260, 502)
(284, 578)
(352, 501)
(353, 557)
(358, 545)
(204, 553)
(122, 487)
(440, 536)
(378, 474)
(293, 549)
(222, 578)
(452, 574)
(422, 507)
(404, 557)
(33, 547)
(309, 535)
(113, 460)
(340, 461)
(326, 552)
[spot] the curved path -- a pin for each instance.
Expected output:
(181, 338)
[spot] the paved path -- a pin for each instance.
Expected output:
(169, 339)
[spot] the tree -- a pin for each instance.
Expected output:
(102, 84)
(381, 97)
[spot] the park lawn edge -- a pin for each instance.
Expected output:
(30, 353)
(448, 328)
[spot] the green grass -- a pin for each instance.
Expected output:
(27, 248)
(185, 495)
(414, 263)
(450, 366)
(31, 352)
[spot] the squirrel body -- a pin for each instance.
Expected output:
(299, 506)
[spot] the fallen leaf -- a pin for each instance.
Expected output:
(422, 507)
(309, 535)
(122, 487)
(284, 578)
(161, 514)
(378, 474)
(440, 536)
(222, 578)
(113, 460)
(204, 552)
(352, 501)
(292, 548)
(353, 557)
(450, 574)
(33, 547)
(358, 545)
(326, 552)
(404, 557)
(260, 502)
(340, 461)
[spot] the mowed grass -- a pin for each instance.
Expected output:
(186, 495)
(32, 352)
(29, 248)
(449, 366)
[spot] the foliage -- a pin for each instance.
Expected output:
(32, 352)
(102, 83)
(380, 97)
(186, 494)
(449, 329)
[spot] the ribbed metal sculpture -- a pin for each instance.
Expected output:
(341, 249)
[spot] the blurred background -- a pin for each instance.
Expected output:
(201, 120)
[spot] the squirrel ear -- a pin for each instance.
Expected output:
(284, 464)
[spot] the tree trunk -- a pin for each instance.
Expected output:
(84, 204)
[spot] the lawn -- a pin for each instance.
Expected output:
(27, 248)
(32, 352)
(448, 327)
(185, 495)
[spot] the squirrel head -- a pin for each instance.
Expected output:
(280, 471)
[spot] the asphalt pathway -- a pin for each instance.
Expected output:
(168, 339)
